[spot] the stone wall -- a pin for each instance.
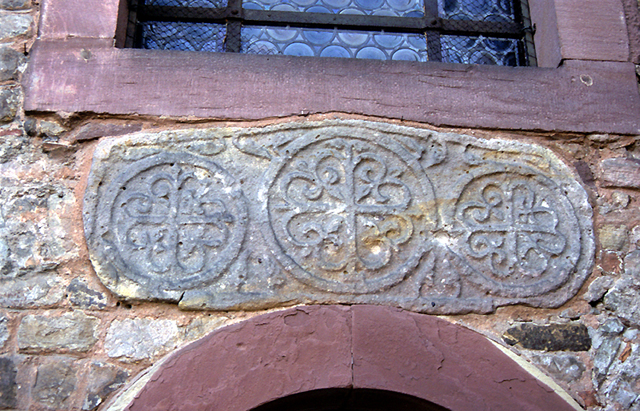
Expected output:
(68, 343)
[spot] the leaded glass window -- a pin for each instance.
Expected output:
(454, 31)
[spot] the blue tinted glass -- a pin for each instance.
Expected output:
(479, 50)
(183, 36)
(414, 8)
(334, 43)
(479, 10)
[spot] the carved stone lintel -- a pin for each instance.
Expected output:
(336, 212)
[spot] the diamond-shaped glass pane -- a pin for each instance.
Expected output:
(478, 10)
(183, 36)
(480, 50)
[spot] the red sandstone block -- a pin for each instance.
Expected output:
(435, 360)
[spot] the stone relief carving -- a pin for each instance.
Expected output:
(336, 212)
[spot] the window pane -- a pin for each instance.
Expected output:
(187, 3)
(479, 50)
(411, 8)
(333, 43)
(183, 36)
(479, 10)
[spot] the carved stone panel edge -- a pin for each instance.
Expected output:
(337, 211)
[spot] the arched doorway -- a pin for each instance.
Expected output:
(349, 399)
(305, 349)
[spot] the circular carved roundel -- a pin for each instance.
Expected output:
(176, 221)
(521, 234)
(348, 214)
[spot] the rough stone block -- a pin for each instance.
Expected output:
(9, 102)
(84, 297)
(612, 326)
(103, 380)
(73, 332)
(50, 129)
(336, 212)
(613, 237)
(4, 330)
(598, 288)
(8, 386)
(632, 266)
(10, 60)
(36, 227)
(553, 337)
(136, 339)
(620, 172)
(15, 4)
(563, 367)
(33, 291)
(624, 300)
(56, 380)
(14, 25)
(606, 350)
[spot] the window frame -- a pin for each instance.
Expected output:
(584, 81)
(234, 16)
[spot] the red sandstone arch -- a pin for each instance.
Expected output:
(274, 355)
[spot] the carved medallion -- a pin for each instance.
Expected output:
(174, 221)
(348, 214)
(521, 235)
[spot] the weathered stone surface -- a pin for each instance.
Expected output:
(598, 288)
(55, 382)
(12, 145)
(15, 4)
(33, 291)
(8, 386)
(200, 327)
(4, 331)
(619, 201)
(84, 297)
(10, 60)
(606, 349)
(553, 337)
(612, 326)
(32, 226)
(632, 266)
(9, 102)
(624, 300)
(621, 383)
(620, 172)
(613, 237)
(564, 367)
(73, 332)
(50, 129)
(103, 380)
(136, 339)
(14, 25)
(336, 211)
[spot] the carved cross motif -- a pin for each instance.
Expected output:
(176, 219)
(347, 212)
(512, 227)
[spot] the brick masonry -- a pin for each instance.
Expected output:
(68, 343)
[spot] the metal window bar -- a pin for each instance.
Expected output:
(234, 17)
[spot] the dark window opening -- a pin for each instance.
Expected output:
(494, 32)
(345, 399)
